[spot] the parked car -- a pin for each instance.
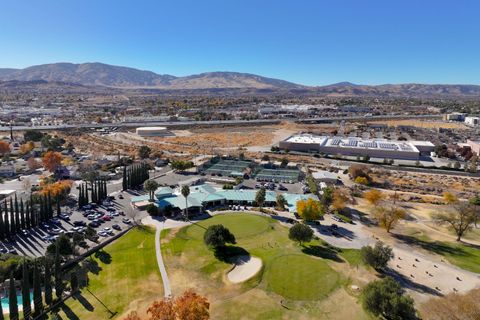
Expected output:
(126, 221)
(79, 223)
(120, 196)
(64, 216)
(117, 227)
(94, 224)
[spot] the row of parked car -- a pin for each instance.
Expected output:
(270, 186)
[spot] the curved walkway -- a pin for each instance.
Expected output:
(159, 226)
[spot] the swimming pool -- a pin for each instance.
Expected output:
(5, 304)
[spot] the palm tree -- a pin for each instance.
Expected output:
(150, 186)
(185, 193)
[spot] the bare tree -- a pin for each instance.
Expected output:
(460, 218)
(388, 215)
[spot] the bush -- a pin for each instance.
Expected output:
(300, 233)
(386, 299)
(377, 256)
(152, 210)
(217, 236)
(361, 180)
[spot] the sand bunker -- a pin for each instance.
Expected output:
(245, 268)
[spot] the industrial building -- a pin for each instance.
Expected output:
(455, 116)
(352, 146)
(153, 132)
(472, 121)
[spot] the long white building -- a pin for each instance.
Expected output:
(350, 146)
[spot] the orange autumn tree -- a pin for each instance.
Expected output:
(57, 190)
(27, 147)
(309, 209)
(51, 160)
(191, 306)
(188, 306)
(4, 147)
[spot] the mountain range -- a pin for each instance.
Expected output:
(104, 75)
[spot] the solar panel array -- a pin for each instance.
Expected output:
(405, 147)
(368, 144)
(351, 143)
(336, 141)
(388, 146)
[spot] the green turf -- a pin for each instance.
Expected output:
(352, 256)
(300, 277)
(241, 225)
(131, 275)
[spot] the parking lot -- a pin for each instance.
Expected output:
(107, 220)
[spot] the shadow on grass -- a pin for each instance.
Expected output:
(91, 265)
(437, 247)
(324, 252)
(228, 253)
(84, 302)
(103, 256)
(68, 312)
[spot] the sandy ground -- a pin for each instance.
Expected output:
(245, 268)
(432, 275)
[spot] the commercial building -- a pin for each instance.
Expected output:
(152, 132)
(474, 146)
(472, 121)
(352, 146)
(455, 116)
(206, 196)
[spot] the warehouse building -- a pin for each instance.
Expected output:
(153, 132)
(351, 146)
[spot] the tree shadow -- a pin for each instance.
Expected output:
(103, 256)
(91, 265)
(228, 254)
(84, 302)
(324, 252)
(410, 284)
(68, 312)
(435, 246)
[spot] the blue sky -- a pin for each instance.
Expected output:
(309, 42)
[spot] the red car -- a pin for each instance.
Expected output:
(106, 218)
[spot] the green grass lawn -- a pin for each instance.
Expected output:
(241, 225)
(302, 277)
(125, 276)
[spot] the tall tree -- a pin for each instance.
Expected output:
(260, 197)
(12, 299)
(27, 307)
(2, 224)
(59, 287)
(186, 193)
(22, 215)
(124, 179)
(7, 221)
(37, 290)
(48, 282)
(150, 186)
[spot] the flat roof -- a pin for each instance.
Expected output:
(358, 143)
(306, 138)
(152, 128)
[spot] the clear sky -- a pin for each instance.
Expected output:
(310, 42)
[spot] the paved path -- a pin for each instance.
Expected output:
(159, 226)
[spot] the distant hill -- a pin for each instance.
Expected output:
(114, 76)
(86, 76)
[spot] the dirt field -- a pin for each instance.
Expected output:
(423, 124)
